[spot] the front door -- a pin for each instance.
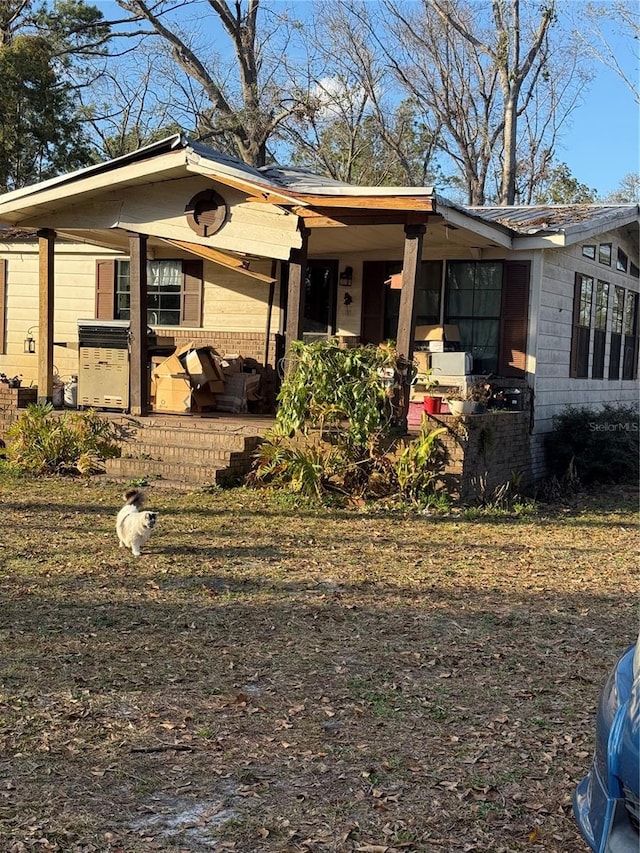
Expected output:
(320, 299)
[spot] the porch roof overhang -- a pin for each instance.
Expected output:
(86, 205)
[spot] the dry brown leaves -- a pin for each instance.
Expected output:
(265, 678)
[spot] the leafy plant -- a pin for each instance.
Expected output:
(327, 386)
(334, 431)
(42, 441)
(420, 463)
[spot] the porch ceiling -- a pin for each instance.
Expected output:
(441, 237)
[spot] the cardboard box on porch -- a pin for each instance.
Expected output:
(172, 393)
(204, 370)
(187, 380)
(436, 337)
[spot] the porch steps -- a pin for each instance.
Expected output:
(187, 452)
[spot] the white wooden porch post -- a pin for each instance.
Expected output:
(139, 383)
(46, 253)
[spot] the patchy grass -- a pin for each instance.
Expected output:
(273, 677)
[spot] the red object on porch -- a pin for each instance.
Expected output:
(433, 405)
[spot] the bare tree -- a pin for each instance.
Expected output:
(513, 64)
(247, 98)
(604, 21)
(356, 128)
(481, 71)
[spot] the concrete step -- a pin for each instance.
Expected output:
(184, 452)
(155, 470)
(166, 437)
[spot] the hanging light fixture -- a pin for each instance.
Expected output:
(29, 341)
(346, 277)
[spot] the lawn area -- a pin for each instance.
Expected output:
(273, 678)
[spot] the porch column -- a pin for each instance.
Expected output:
(414, 237)
(139, 383)
(295, 292)
(46, 250)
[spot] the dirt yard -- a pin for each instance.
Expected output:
(269, 677)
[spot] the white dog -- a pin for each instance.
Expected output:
(133, 526)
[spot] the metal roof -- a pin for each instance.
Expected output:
(567, 218)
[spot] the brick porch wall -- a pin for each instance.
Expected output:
(487, 451)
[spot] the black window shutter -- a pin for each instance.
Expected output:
(105, 289)
(191, 313)
(514, 323)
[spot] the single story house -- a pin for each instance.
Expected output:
(200, 247)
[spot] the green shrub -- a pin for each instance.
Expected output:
(598, 446)
(41, 441)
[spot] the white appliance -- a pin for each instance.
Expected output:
(451, 364)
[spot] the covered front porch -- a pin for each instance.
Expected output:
(264, 258)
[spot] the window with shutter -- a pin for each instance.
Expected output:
(174, 292)
(3, 303)
(514, 319)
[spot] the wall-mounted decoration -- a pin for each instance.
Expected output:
(206, 213)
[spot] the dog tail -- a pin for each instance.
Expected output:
(134, 497)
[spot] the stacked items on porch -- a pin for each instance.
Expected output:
(196, 379)
(240, 388)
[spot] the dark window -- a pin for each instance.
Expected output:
(622, 262)
(633, 270)
(630, 357)
(604, 253)
(580, 338)
(617, 315)
(600, 329)
(474, 297)
(589, 252)
(174, 292)
(320, 298)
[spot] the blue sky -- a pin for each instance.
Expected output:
(602, 142)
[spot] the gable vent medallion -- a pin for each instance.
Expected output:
(206, 213)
